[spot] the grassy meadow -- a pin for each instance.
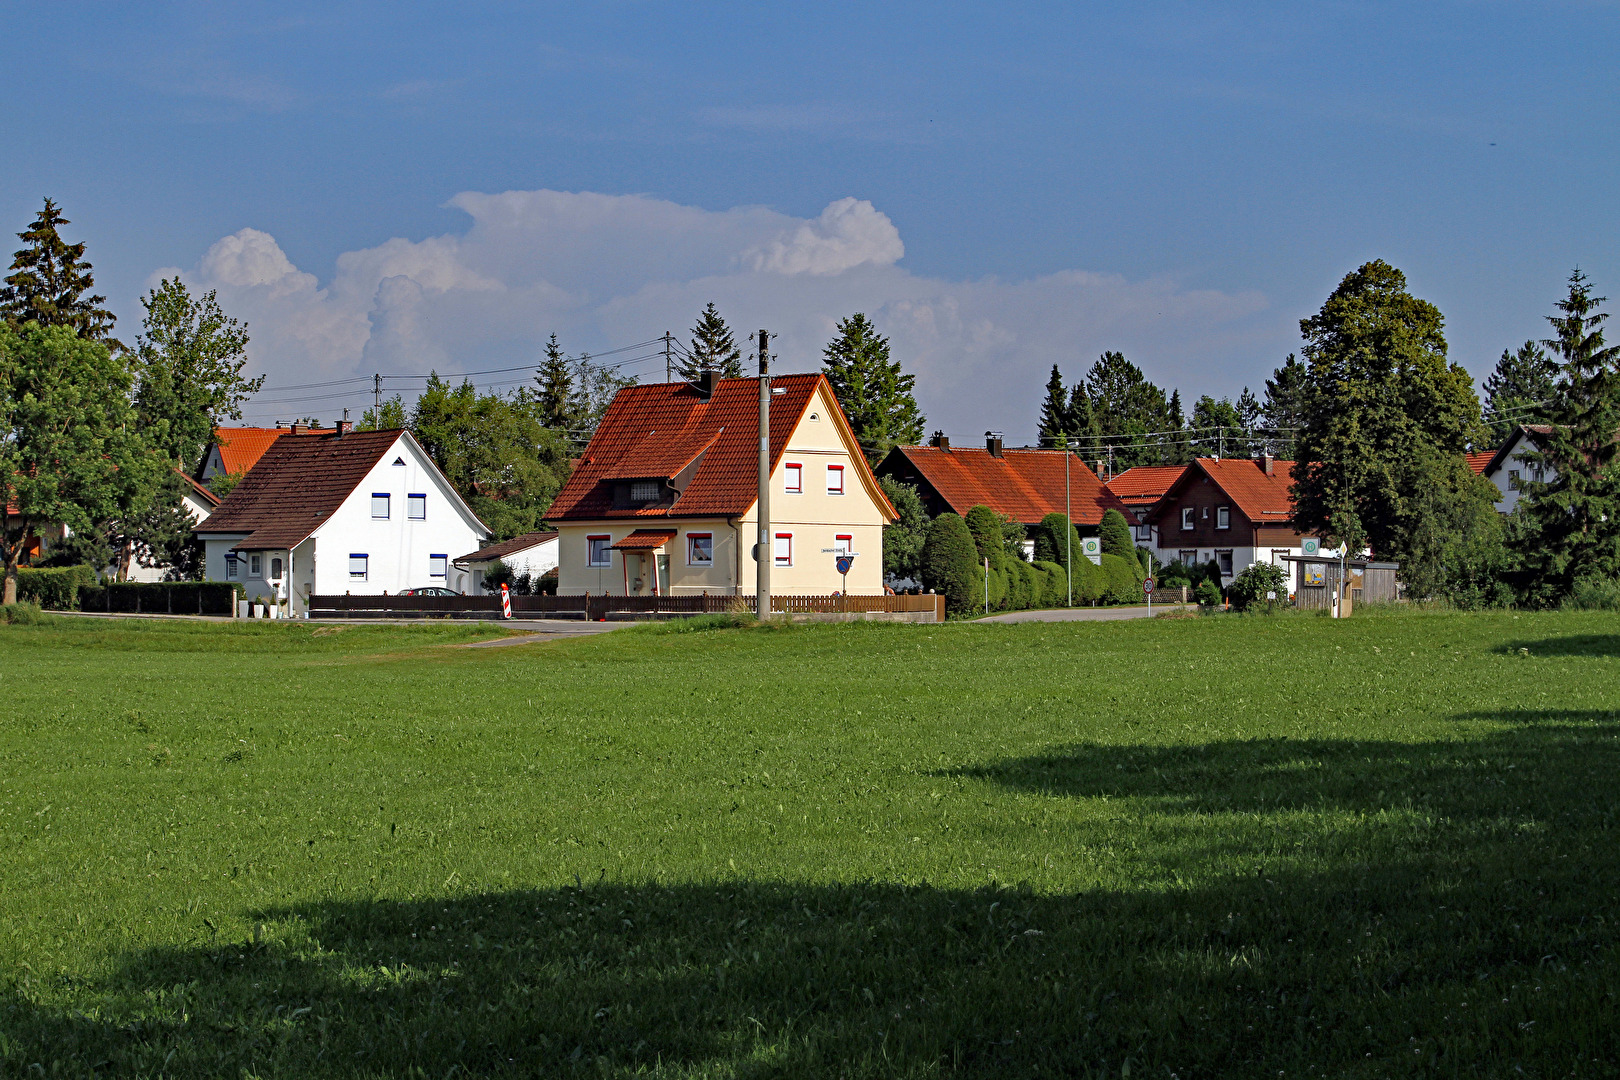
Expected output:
(1228, 846)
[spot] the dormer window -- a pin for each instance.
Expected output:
(644, 491)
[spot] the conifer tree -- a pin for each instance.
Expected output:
(1176, 448)
(1126, 407)
(1284, 409)
(555, 394)
(50, 284)
(712, 348)
(1519, 391)
(1573, 512)
(1054, 422)
(875, 394)
(1082, 429)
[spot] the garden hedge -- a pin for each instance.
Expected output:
(54, 587)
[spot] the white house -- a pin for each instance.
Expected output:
(532, 553)
(1507, 468)
(334, 512)
(199, 504)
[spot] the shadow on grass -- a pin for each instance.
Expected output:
(1490, 954)
(1568, 645)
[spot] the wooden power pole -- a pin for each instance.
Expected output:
(766, 549)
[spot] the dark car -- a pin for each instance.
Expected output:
(430, 590)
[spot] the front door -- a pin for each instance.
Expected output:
(661, 582)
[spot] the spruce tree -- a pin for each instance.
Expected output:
(1573, 511)
(1126, 407)
(1176, 448)
(875, 394)
(1519, 391)
(1054, 423)
(555, 394)
(1284, 408)
(1082, 429)
(712, 348)
(50, 284)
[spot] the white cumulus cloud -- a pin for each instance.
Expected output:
(607, 270)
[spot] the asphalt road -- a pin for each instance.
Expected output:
(1084, 614)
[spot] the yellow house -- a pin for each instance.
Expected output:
(664, 499)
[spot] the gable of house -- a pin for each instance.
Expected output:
(1258, 508)
(663, 450)
(1022, 483)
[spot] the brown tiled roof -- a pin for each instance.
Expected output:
(296, 486)
(1145, 484)
(509, 547)
(1263, 499)
(645, 540)
(1025, 485)
(656, 430)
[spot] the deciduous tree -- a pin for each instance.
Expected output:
(1386, 416)
(69, 450)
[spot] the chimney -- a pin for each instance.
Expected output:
(992, 443)
(344, 426)
(301, 428)
(941, 440)
(1268, 464)
(705, 383)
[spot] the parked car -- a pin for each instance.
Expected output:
(430, 590)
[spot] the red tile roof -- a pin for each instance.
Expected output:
(656, 430)
(509, 547)
(1478, 462)
(240, 448)
(296, 486)
(200, 491)
(1263, 499)
(1145, 484)
(1025, 485)
(645, 540)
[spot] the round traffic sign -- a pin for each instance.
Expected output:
(1147, 585)
(844, 562)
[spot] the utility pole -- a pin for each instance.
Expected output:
(1068, 532)
(766, 550)
(668, 367)
(376, 396)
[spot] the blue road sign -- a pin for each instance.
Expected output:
(844, 562)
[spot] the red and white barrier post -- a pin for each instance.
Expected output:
(506, 602)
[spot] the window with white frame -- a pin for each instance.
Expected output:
(835, 479)
(1187, 521)
(843, 545)
(793, 477)
(255, 565)
(699, 549)
(1224, 558)
(359, 566)
(1187, 558)
(379, 505)
(599, 551)
(784, 549)
(438, 565)
(230, 566)
(416, 507)
(1223, 517)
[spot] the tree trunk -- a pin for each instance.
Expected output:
(12, 554)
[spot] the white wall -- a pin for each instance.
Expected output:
(1513, 463)
(533, 561)
(398, 548)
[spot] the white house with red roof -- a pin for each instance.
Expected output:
(664, 499)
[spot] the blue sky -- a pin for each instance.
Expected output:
(1001, 189)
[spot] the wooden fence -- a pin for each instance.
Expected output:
(601, 607)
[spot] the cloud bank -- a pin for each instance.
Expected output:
(606, 270)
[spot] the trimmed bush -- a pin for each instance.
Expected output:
(948, 564)
(162, 597)
(1208, 594)
(1123, 578)
(1115, 535)
(1048, 537)
(56, 588)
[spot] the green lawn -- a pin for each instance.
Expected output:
(1383, 847)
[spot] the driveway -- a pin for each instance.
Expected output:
(1085, 614)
